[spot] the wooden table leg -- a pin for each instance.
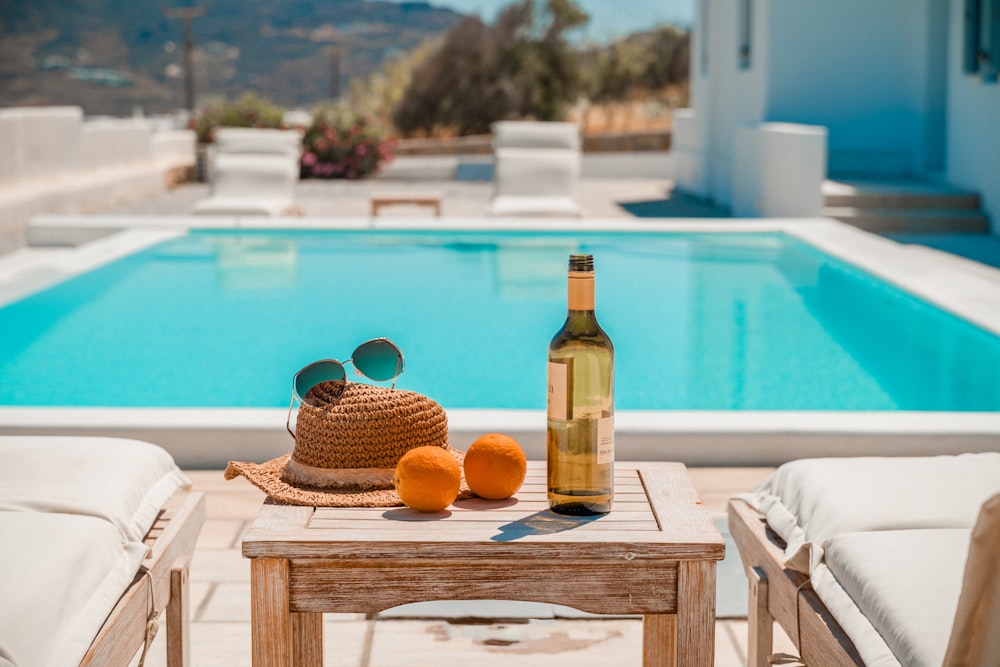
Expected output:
(659, 640)
(307, 639)
(270, 618)
(696, 613)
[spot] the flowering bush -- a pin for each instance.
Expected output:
(341, 144)
(248, 111)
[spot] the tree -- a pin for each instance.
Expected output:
(521, 67)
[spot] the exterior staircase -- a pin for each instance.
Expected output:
(886, 207)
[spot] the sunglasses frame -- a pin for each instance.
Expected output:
(400, 367)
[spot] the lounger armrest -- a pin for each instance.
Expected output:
(801, 614)
(171, 540)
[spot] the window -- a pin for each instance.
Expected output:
(745, 34)
(703, 56)
(981, 45)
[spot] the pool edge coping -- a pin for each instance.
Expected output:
(209, 437)
(695, 437)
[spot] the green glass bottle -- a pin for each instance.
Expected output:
(581, 438)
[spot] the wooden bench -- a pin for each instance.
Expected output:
(432, 199)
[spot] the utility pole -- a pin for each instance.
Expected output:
(187, 14)
(335, 72)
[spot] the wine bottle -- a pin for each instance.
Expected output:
(580, 448)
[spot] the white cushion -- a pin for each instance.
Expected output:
(125, 482)
(521, 171)
(905, 585)
(515, 205)
(535, 134)
(257, 140)
(244, 206)
(60, 577)
(811, 500)
(254, 176)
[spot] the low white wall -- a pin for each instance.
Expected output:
(53, 160)
(687, 154)
(778, 170)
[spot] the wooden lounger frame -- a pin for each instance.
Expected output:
(779, 594)
(161, 583)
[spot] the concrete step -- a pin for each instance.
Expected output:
(885, 220)
(898, 194)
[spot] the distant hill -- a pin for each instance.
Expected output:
(112, 56)
(608, 20)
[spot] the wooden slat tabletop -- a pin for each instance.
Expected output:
(656, 514)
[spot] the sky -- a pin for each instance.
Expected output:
(608, 18)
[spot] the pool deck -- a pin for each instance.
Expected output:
(500, 634)
(488, 634)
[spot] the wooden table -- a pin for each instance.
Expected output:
(654, 555)
(432, 199)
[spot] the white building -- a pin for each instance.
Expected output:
(787, 93)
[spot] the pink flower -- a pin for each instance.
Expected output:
(361, 150)
(309, 159)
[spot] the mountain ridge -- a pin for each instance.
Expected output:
(113, 56)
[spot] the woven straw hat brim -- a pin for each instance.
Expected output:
(268, 478)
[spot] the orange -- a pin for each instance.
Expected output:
(495, 466)
(427, 478)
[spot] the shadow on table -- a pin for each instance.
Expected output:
(541, 523)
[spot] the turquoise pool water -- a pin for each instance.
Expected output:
(700, 321)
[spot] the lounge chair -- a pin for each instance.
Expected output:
(97, 536)
(258, 141)
(536, 169)
(875, 561)
(253, 173)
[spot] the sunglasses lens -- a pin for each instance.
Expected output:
(314, 373)
(379, 359)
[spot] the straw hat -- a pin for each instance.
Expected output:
(348, 439)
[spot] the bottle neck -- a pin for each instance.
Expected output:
(581, 291)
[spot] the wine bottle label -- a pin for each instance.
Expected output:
(606, 440)
(581, 291)
(558, 402)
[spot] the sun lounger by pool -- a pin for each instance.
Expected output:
(536, 169)
(258, 141)
(253, 173)
(875, 561)
(97, 535)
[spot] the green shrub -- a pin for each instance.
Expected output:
(343, 144)
(247, 111)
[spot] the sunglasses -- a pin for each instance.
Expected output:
(377, 359)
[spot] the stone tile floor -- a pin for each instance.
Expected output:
(431, 635)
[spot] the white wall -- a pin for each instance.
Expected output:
(724, 97)
(52, 160)
(863, 69)
(973, 156)
(778, 170)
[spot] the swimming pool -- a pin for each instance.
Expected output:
(730, 321)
